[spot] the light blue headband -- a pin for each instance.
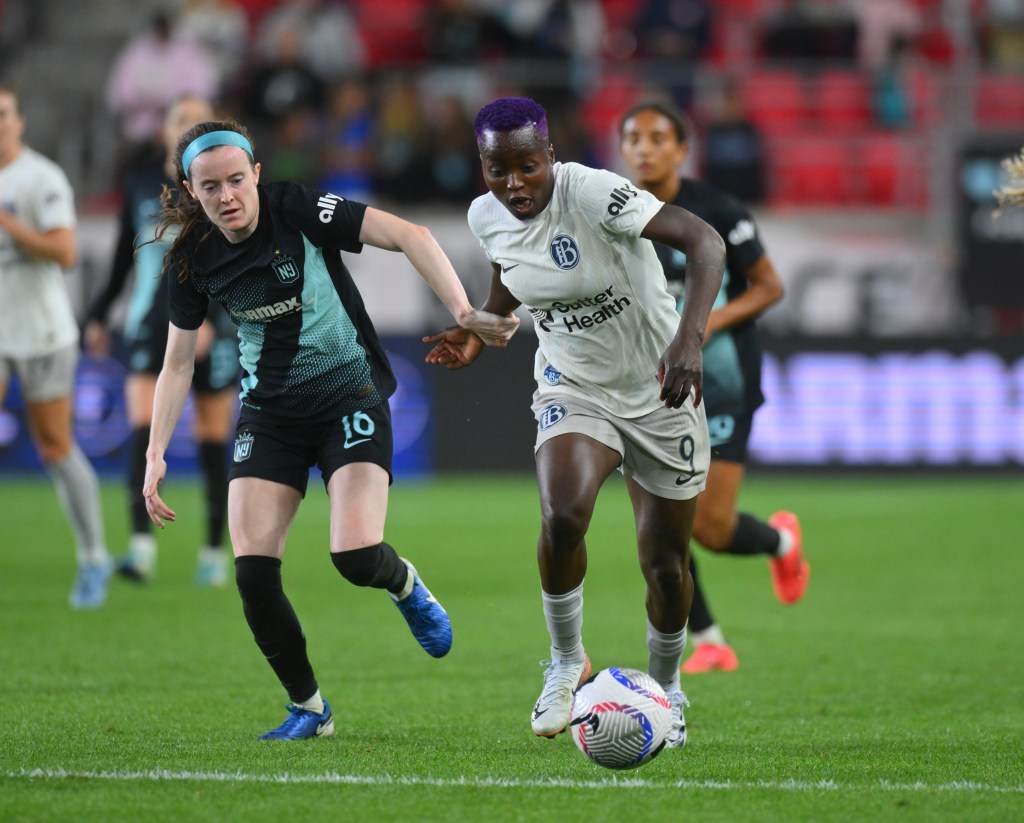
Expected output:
(208, 141)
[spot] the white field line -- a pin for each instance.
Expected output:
(165, 775)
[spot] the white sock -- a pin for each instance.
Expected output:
(785, 543)
(564, 616)
(665, 654)
(410, 583)
(79, 491)
(142, 551)
(314, 704)
(712, 634)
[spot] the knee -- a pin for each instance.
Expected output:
(51, 452)
(360, 567)
(714, 530)
(666, 573)
(211, 430)
(257, 577)
(563, 527)
(53, 446)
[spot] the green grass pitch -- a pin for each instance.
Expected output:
(894, 691)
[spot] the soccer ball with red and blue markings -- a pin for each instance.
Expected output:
(620, 718)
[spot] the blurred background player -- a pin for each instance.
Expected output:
(618, 377)
(146, 335)
(653, 142)
(1011, 193)
(39, 335)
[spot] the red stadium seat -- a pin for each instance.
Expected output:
(999, 101)
(842, 100)
(775, 100)
(602, 109)
(809, 170)
(620, 13)
(392, 31)
(889, 170)
(926, 94)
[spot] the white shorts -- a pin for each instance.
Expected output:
(43, 378)
(667, 452)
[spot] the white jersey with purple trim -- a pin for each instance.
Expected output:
(36, 317)
(595, 288)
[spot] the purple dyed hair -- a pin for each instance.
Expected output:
(509, 114)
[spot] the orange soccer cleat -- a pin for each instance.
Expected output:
(711, 657)
(791, 572)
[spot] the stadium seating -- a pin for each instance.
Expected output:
(392, 31)
(842, 101)
(775, 100)
(888, 171)
(806, 169)
(999, 101)
(603, 108)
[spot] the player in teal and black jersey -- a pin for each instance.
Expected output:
(654, 146)
(145, 332)
(315, 387)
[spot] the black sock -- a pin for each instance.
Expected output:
(213, 457)
(136, 477)
(275, 627)
(700, 612)
(753, 536)
(378, 566)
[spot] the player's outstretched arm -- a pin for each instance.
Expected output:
(454, 348)
(386, 231)
(681, 366)
(171, 391)
(457, 347)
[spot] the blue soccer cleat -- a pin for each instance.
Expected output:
(302, 724)
(426, 618)
(90, 588)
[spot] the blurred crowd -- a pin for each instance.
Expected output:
(375, 99)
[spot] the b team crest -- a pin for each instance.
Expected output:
(565, 252)
(551, 415)
(552, 376)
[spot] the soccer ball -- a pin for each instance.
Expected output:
(620, 718)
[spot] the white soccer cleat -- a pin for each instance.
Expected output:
(677, 736)
(212, 568)
(139, 564)
(554, 706)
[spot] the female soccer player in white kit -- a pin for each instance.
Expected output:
(618, 376)
(39, 334)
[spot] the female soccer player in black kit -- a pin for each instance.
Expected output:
(216, 370)
(654, 146)
(315, 387)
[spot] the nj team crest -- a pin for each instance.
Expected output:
(243, 446)
(286, 268)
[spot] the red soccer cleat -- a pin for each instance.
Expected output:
(710, 657)
(791, 572)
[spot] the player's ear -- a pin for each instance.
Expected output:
(256, 173)
(188, 187)
(551, 154)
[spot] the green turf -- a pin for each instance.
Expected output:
(894, 691)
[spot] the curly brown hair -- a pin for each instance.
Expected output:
(179, 209)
